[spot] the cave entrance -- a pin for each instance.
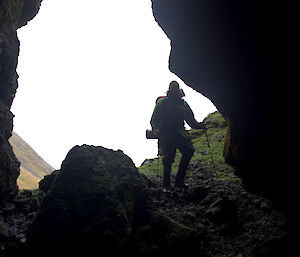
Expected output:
(90, 74)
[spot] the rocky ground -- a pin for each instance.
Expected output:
(233, 223)
(16, 217)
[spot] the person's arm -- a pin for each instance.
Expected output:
(190, 118)
(155, 119)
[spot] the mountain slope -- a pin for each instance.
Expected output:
(33, 168)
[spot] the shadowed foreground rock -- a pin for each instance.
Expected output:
(92, 203)
(98, 203)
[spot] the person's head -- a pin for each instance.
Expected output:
(175, 92)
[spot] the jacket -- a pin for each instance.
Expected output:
(169, 116)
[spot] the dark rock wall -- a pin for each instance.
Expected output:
(13, 15)
(230, 51)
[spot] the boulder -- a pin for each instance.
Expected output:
(46, 183)
(93, 204)
(99, 203)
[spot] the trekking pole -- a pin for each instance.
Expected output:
(157, 170)
(157, 173)
(212, 158)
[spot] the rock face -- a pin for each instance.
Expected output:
(226, 50)
(13, 14)
(94, 201)
(9, 165)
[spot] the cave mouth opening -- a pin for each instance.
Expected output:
(92, 78)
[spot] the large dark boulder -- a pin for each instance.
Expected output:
(92, 206)
(99, 204)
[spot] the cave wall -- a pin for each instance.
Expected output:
(13, 15)
(230, 52)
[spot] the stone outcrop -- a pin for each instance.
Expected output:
(98, 203)
(13, 15)
(92, 202)
(230, 51)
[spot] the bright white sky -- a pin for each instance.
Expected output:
(90, 73)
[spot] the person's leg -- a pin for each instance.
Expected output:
(187, 150)
(167, 150)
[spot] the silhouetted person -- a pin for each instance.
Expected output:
(167, 122)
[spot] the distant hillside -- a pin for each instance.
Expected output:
(33, 167)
